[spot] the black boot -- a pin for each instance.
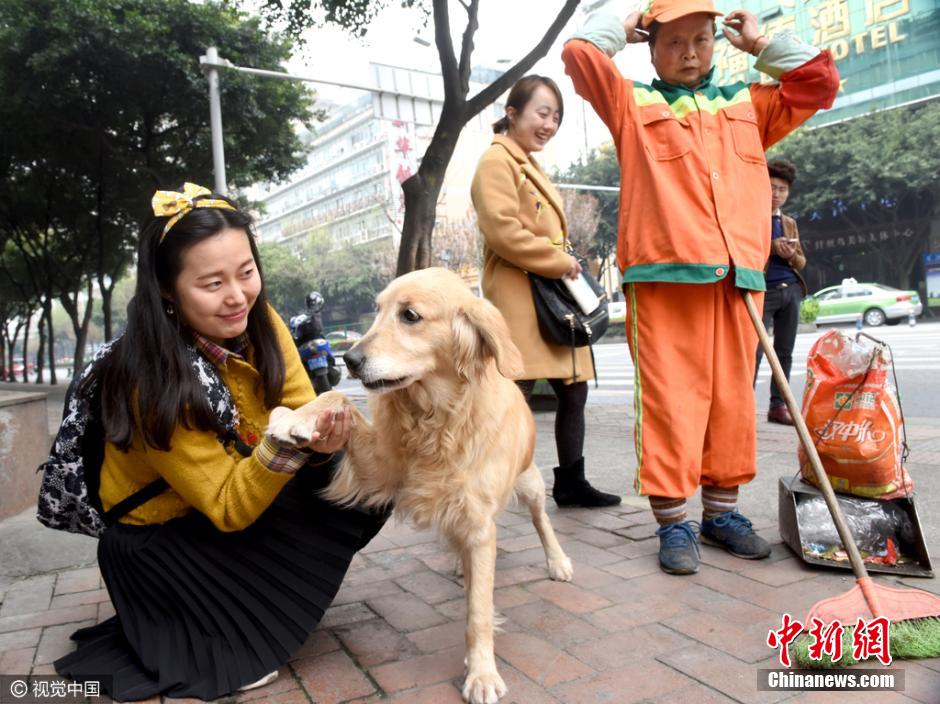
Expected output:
(572, 489)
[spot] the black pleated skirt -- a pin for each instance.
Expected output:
(199, 613)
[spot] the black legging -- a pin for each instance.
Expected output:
(569, 418)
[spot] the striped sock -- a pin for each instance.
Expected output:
(667, 510)
(718, 499)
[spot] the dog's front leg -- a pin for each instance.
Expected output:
(483, 684)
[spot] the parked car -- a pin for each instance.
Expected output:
(342, 340)
(17, 369)
(617, 310)
(876, 304)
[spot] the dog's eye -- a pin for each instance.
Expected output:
(410, 316)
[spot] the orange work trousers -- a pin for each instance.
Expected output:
(693, 355)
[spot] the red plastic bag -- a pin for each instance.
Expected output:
(854, 418)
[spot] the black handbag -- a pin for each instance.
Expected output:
(561, 320)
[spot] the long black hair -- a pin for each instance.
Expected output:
(148, 385)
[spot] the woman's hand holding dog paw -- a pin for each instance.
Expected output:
(332, 431)
(323, 425)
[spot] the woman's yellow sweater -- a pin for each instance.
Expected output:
(231, 490)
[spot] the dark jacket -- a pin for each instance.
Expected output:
(798, 260)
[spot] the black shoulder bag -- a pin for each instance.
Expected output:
(561, 320)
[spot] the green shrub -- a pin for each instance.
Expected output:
(809, 309)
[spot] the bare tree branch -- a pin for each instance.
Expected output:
(445, 50)
(504, 82)
(466, 47)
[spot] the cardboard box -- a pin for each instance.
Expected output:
(794, 490)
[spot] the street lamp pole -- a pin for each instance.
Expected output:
(210, 64)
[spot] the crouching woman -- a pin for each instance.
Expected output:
(221, 575)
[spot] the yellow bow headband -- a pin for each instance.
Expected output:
(175, 204)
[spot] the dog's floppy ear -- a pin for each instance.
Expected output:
(480, 332)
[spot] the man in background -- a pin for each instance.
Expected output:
(785, 285)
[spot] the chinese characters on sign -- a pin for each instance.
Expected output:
(837, 25)
(857, 240)
(869, 639)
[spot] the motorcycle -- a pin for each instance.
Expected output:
(315, 353)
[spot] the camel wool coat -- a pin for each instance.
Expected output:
(523, 223)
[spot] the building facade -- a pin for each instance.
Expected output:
(350, 189)
(346, 188)
(887, 51)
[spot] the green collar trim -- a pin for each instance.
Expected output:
(687, 102)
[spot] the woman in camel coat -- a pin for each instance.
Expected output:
(523, 224)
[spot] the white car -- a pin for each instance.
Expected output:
(617, 310)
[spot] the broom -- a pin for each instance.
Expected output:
(914, 630)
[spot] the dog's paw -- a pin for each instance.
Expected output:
(560, 569)
(297, 427)
(331, 399)
(483, 687)
(288, 427)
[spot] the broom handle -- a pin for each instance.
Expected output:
(821, 479)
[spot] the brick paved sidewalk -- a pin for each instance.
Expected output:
(621, 632)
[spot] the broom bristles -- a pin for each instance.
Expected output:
(909, 640)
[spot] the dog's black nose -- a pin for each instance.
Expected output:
(354, 359)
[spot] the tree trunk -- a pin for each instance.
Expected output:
(420, 214)
(29, 320)
(9, 348)
(3, 348)
(41, 351)
(52, 374)
(422, 189)
(81, 336)
(107, 293)
(421, 193)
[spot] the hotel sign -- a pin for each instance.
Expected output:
(885, 50)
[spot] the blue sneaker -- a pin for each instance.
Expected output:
(678, 547)
(733, 532)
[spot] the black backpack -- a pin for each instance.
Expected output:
(68, 496)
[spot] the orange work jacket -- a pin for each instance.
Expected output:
(695, 192)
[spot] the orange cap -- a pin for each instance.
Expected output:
(669, 10)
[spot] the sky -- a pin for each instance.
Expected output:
(508, 29)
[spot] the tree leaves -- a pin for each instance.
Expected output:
(105, 102)
(869, 173)
(355, 16)
(600, 168)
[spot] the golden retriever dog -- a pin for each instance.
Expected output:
(450, 442)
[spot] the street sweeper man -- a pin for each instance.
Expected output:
(694, 215)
